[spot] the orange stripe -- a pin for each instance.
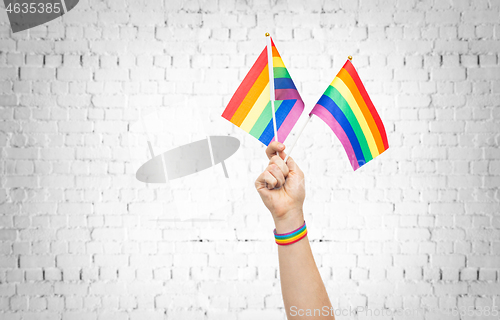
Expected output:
(275, 52)
(346, 77)
(251, 97)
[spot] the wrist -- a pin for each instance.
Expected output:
(289, 221)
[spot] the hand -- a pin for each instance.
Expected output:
(281, 187)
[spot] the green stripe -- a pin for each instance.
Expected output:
(264, 118)
(335, 95)
(281, 73)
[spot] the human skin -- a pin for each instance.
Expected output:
(282, 189)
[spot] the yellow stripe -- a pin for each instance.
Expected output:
(294, 238)
(256, 110)
(278, 62)
(338, 84)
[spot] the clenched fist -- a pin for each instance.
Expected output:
(281, 187)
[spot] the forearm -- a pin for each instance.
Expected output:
(301, 283)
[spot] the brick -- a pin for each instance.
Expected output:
(37, 261)
(448, 261)
(190, 259)
(487, 274)
(411, 208)
(444, 74)
(29, 73)
(75, 126)
(73, 74)
(108, 234)
(474, 16)
(35, 288)
(411, 75)
(411, 260)
(378, 260)
(412, 234)
(35, 46)
(451, 46)
(71, 46)
(112, 75)
(73, 234)
(486, 261)
(147, 261)
(109, 260)
(414, 46)
(108, 46)
(442, 289)
(448, 234)
(108, 101)
(490, 73)
(413, 101)
(412, 288)
(446, 208)
(378, 18)
(376, 234)
(484, 288)
(77, 289)
(7, 234)
(440, 17)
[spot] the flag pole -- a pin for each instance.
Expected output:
(271, 83)
(298, 136)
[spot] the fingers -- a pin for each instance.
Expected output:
(277, 174)
(274, 147)
(292, 166)
(281, 164)
(266, 180)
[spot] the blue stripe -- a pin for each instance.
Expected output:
(332, 107)
(284, 83)
(291, 235)
(268, 135)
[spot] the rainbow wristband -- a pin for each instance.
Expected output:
(291, 237)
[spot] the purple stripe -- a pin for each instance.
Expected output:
(287, 94)
(288, 233)
(326, 116)
(291, 119)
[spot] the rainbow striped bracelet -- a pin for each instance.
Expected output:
(291, 237)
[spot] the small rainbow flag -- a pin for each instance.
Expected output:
(349, 112)
(250, 107)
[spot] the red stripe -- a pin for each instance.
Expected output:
(354, 75)
(245, 85)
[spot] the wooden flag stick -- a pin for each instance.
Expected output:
(298, 136)
(271, 83)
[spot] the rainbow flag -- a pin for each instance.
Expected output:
(349, 112)
(250, 107)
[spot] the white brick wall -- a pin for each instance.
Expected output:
(418, 228)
